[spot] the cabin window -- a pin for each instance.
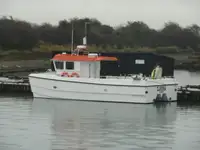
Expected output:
(69, 65)
(59, 65)
(140, 61)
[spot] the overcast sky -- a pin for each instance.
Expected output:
(113, 12)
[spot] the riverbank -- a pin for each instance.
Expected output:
(21, 63)
(186, 61)
(28, 61)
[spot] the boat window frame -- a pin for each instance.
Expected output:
(72, 68)
(56, 65)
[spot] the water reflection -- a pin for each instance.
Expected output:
(19, 130)
(109, 125)
(54, 124)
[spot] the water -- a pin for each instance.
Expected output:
(185, 77)
(29, 124)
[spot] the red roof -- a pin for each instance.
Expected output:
(68, 57)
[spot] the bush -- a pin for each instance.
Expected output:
(51, 47)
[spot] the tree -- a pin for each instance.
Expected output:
(17, 34)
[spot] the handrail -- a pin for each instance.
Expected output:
(135, 76)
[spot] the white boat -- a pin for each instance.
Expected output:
(77, 77)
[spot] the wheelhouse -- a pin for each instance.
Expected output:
(86, 66)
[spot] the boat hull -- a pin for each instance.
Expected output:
(75, 90)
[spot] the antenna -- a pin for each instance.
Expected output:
(72, 44)
(85, 37)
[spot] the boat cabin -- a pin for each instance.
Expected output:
(131, 63)
(75, 65)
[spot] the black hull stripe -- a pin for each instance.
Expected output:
(100, 101)
(101, 84)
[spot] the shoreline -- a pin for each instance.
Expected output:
(33, 61)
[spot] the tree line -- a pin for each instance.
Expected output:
(22, 35)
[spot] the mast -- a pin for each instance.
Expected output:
(72, 42)
(85, 37)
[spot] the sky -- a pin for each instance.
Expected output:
(154, 13)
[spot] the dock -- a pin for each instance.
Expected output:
(14, 85)
(189, 93)
(16, 79)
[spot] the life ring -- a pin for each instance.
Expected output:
(65, 74)
(74, 74)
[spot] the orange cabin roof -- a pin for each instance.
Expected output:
(68, 57)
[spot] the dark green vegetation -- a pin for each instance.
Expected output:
(21, 35)
(21, 40)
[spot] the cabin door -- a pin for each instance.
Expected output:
(92, 70)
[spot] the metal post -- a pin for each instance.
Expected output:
(86, 30)
(72, 44)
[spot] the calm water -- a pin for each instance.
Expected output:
(30, 124)
(184, 77)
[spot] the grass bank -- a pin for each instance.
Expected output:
(39, 56)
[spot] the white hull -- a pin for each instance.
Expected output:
(106, 90)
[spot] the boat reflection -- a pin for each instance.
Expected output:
(91, 124)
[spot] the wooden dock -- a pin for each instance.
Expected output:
(14, 85)
(16, 79)
(189, 93)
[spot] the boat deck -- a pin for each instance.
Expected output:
(109, 80)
